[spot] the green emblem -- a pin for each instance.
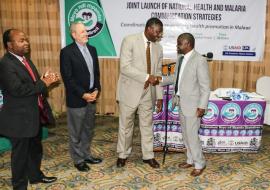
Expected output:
(90, 14)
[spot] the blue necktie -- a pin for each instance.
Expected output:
(89, 61)
(178, 72)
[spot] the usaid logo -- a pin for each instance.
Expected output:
(230, 112)
(253, 113)
(90, 14)
(212, 113)
(234, 47)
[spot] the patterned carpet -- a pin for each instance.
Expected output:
(224, 171)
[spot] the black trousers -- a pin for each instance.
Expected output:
(26, 158)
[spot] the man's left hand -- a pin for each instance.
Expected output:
(159, 105)
(200, 112)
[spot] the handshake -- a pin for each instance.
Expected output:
(152, 80)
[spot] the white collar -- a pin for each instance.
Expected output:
(17, 56)
(187, 55)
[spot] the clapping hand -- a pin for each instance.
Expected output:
(50, 78)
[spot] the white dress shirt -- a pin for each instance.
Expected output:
(183, 65)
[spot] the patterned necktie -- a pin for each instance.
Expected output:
(29, 69)
(178, 72)
(148, 58)
(44, 116)
(89, 62)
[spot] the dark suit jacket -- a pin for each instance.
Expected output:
(75, 74)
(19, 116)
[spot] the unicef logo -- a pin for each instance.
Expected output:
(230, 112)
(253, 113)
(90, 14)
(212, 113)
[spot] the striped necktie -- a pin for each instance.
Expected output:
(43, 114)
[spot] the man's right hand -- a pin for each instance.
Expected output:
(86, 96)
(146, 84)
(90, 97)
(153, 80)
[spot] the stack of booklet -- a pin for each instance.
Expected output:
(235, 94)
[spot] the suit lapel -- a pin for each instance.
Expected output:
(17, 62)
(78, 54)
(154, 57)
(153, 52)
(141, 46)
(188, 64)
(177, 68)
(93, 57)
(33, 68)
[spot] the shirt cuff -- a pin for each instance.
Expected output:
(147, 77)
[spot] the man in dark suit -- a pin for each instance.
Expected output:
(23, 108)
(80, 72)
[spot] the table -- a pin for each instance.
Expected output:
(228, 126)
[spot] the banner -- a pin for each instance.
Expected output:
(91, 14)
(231, 30)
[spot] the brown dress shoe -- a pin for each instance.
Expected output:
(121, 162)
(197, 172)
(185, 165)
(152, 162)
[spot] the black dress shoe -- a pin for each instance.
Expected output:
(121, 162)
(82, 167)
(152, 162)
(44, 179)
(93, 160)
